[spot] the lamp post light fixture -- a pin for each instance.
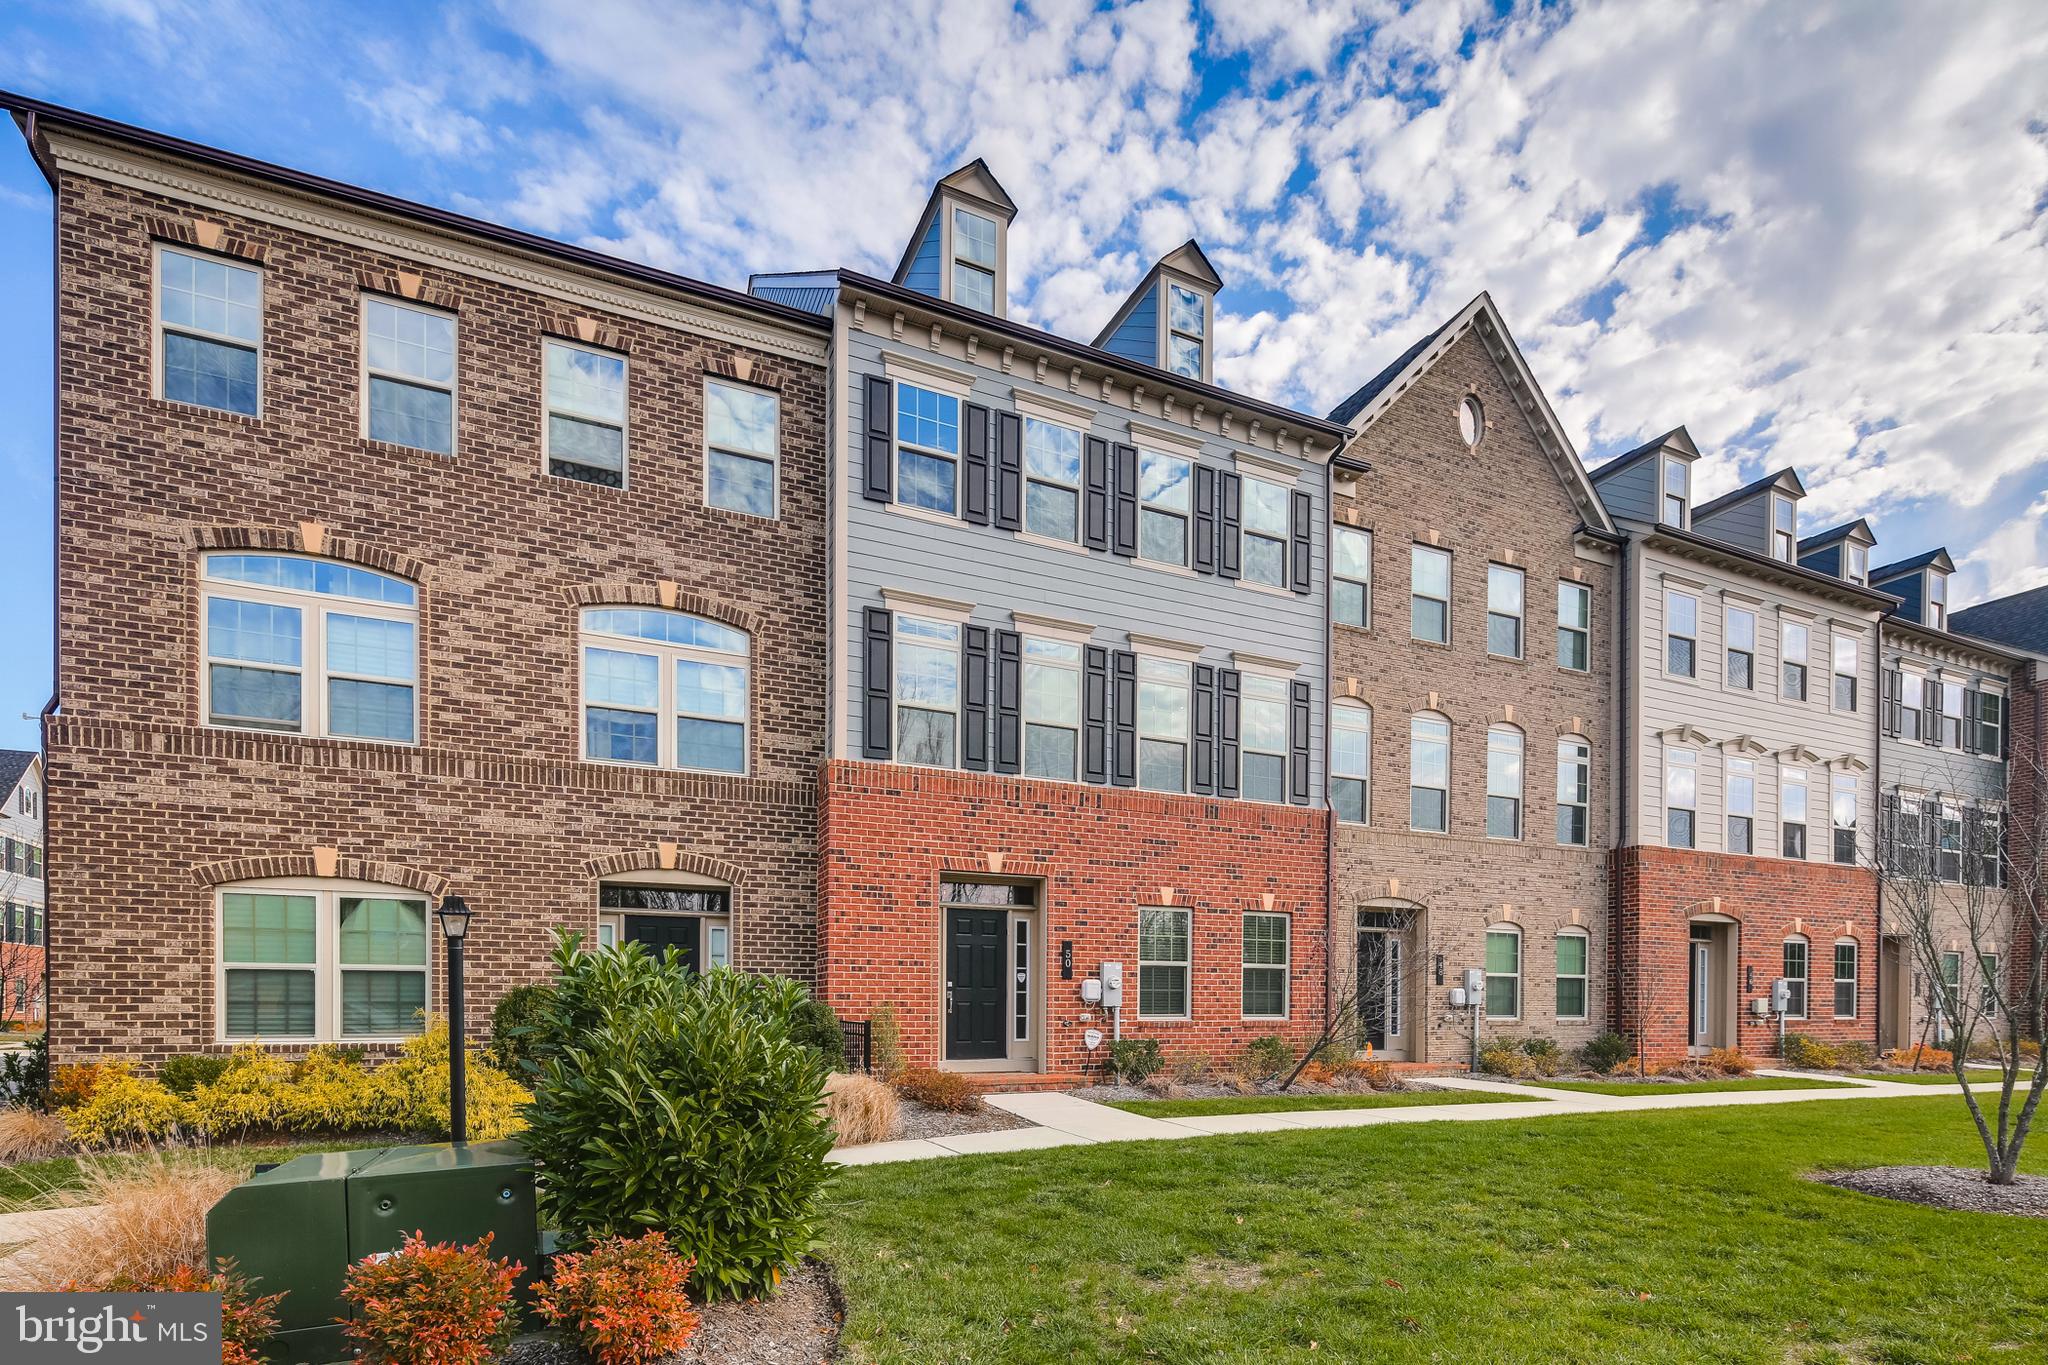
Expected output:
(454, 915)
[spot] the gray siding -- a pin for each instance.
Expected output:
(1930, 768)
(1631, 495)
(1746, 523)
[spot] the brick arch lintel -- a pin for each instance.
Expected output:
(279, 865)
(667, 596)
(666, 858)
(295, 540)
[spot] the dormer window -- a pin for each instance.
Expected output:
(1677, 492)
(1937, 599)
(1784, 530)
(1859, 564)
(1186, 313)
(974, 260)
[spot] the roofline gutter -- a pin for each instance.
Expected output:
(1881, 602)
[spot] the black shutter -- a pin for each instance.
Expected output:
(1973, 708)
(1930, 713)
(1123, 711)
(1891, 710)
(1095, 715)
(880, 485)
(1892, 843)
(877, 634)
(1095, 495)
(1229, 511)
(1297, 744)
(974, 466)
(1973, 847)
(1227, 697)
(1124, 536)
(1298, 540)
(1203, 757)
(2005, 727)
(1009, 471)
(1205, 519)
(974, 700)
(1009, 756)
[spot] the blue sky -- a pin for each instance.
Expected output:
(1813, 233)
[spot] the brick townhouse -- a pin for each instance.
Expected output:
(22, 915)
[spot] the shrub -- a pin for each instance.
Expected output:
(934, 1089)
(815, 1026)
(623, 1300)
(1920, 1057)
(1267, 1056)
(71, 1086)
(326, 1091)
(1544, 1055)
(1803, 1052)
(411, 1093)
(247, 1320)
(1315, 1073)
(25, 1073)
(885, 1040)
(861, 1108)
(188, 1071)
(1133, 1059)
(515, 1025)
(681, 1103)
(1190, 1068)
(32, 1135)
(1605, 1053)
(1728, 1061)
(1853, 1054)
(432, 1305)
(1503, 1058)
(124, 1108)
(135, 1220)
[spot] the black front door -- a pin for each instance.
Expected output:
(661, 932)
(974, 984)
(1373, 985)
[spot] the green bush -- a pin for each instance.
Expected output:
(1803, 1052)
(1267, 1056)
(25, 1074)
(1133, 1059)
(682, 1103)
(817, 1027)
(1544, 1054)
(1605, 1053)
(185, 1073)
(1505, 1057)
(1855, 1054)
(514, 1025)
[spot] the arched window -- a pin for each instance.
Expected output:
(1429, 772)
(317, 960)
(309, 647)
(1845, 978)
(1503, 972)
(1796, 968)
(664, 689)
(1503, 782)
(1351, 763)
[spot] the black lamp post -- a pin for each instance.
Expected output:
(454, 916)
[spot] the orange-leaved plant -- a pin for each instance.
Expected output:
(437, 1304)
(623, 1299)
(247, 1319)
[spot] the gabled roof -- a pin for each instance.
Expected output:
(1938, 556)
(1785, 480)
(1483, 317)
(1828, 537)
(1188, 259)
(2019, 619)
(14, 763)
(1677, 438)
(972, 181)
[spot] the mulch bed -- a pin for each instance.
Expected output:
(799, 1326)
(1208, 1090)
(1946, 1187)
(914, 1120)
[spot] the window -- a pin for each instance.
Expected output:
(1163, 725)
(409, 371)
(927, 690)
(1792, 811)
(1020, 971)
(1503, 782)
(1574, 783)
(1163, 961)
(322, 962)
(309, 647)
(1844, 809)
(1952, 981)
(1909, 838)
(1952, 715)
(1263, 746)
(1677, 483)
(664, 689)
(1741, 778)
(586, 404)
(1052, 480)
(1184, 331)
(1265, 966)
(1571, 976)
(1429, 601)
(974, 260)
(1503, 973)
(1052, 708)
(209, 332)
(1163, 500)
(1504, 611)
(1681, 796)
(1681, 633)
(1784, 530)
(1845, 672)
(1793, 639)
(1988, 857)
(1859, 564)
(1471, 421)
(1351, 763)
(1987, 985)
(1741, 647)
(1351, 590)
(1990, 724)
(742, 442)
(1574, 626)
(1937, 599)
(1264, 534)
(927, 449)
(1948, 847)
(1795, 978)
(1845, 979)
(1912, 704)
(1429, 773)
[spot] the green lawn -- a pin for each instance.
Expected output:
(28, 1180)
(1641, 1237)
(1280, 1104)
(1932, 1077)
(1692, 1087)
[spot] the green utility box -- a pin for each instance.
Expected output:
(297, 1227)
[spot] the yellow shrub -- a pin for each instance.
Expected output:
(330, 1091)
(125, 1108)
(1921, 1057)
(1803, 1053)
(1728, 1061)
(411, 1093)
(246, 1095)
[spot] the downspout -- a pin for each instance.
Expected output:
(1877, 859)
(31, 131)
(1329, 741)
(1624, 672)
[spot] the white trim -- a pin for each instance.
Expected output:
(773, 459)
(1518, 976)
(1185, 964)
(922, 604)
(1277, 469)
(365, 372)
(1052, 627)
(1166, 440)
(1263, 664)
(1061, 412)
(928, 374)
(158, 326)
(1285, 966)
(1159, 646)
(326, 967)
(667, 707)
(547, 413)
(1584, 978)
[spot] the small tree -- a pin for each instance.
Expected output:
(1352, 1000)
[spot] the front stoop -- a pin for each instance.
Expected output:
(1024, 1082)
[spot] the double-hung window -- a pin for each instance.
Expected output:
(586, 402)
(927, 690)
(1990, 724)
(1351, 586)
(1571, 975)
(1429, 599)
(1052, 480)
(1677, 491)
(927, 449)
(1987, 858)
(1574, 785)
(1429, 773)
(1163, 707)
(1264, 533)
(1504, 611)
(1845, 978)
(1987, 985)
(1952, 715)
(315, 962)
(1184, 330)
(974, 260)
(1263, 729)
(1952, 981)
(1052, 708)
(1164, 958)
(1681, 796)
(1681, 633)
(1504, 749)
(1503, 974)
(1265, 966)
(1793, 642)
(1846, 657)
(1164, 498)
(209, 332)
(1912, 704)
(1937, 600)
(1859, 564)
(1909, 851)
(1741, 779)
(1844, 789)
(1792, 811)
(1795, 978)
(1574, 626)
(409, 375)
(1784, 530)
(1351, 763)
(1948, 848)
(665, 689)
(309, 647)
(1741, 648)
(742, 443)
